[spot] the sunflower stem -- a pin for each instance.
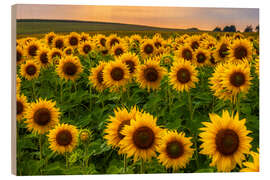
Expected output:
(33, 89)
(190, 106)
(125, 163)
(61, 91)
(142, 167)
(40, 148)
(196, 153)
(90, 102)
(66, 157)
(238, 103)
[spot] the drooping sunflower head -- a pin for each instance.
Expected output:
(55, 55)
(150, 74)
(32, 48)
(175, 150)
(84, 37)
(183, 75)
(225, 139)
(222, 49)
(96, 77)
(43, 57)
(21, 106)
(30, 70)
(202, 57)
(59, 42)
(141, 137)
(116, 124)
(186, 53)
(112, 40)
(236, 78)
(119, 49)
(42, 116)
(116, 74)
(69, 68)
(252, 166)
(19, 55)
(73, 39)
(86, 47)
(63, 138)
(68, 51)
(131, 60)
(147, 48)
(239, 50)
(49, 38)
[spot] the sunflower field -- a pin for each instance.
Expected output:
(138, 103)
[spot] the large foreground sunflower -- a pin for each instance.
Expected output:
(141, 137)
(175, 150)
(225, 140)
(183, 75)
(42, 116)
(96, 77)
(69, 68)
(30, 70)
(252, 166)
(21, 106)
(150, 74)
(240, 49)
(63, 138)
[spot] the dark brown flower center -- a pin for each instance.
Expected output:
(131, 65)
(227, 141)
(73, 41)
(64, 138)
(223, 50)
(143, 137)
(240, 52)
(86, 48)
(19, 56)
(103, 42)
(212, 60)
(44, 58)
(19, 107)
(187, 54)
(42, 116)
(50, 38)
(194, 45)
(32, 50)
(31, 70)
(151, 74)
(157, 44)
(68, 51)
(117, 74)
(174, 149)
(120, 128)
(113, 42)
(59, 43)
(69, 68)
(100, 76)
(148, 49)
(201, 58)
(183, 75)
(104, 52)
(237, 79)
(118, 51)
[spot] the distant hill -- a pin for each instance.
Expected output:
(38, 26)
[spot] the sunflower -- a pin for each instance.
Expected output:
(193, 42)
(68, 51)
(69, 68)
(59, 42)
(222, 49)
(112, 40)
(30, 70)
(18, 84)
(147, 48)
(43, 57)
(158, 41)
(202, 57)
(257, 66)
(175, 150)
(116, 74)
(150, 74)
(236, 78)
(183, 75)
(237, 36)
(96, 77)
(100, 40)
(239, 50)
(63, 138)
(141, 137)
(225, 140)
(32, 48)
(84, 37)
(186, 53)
(209, 43)
(85, 135)
(86, 47)
(55, 55)
(73, 39)
(21, 106)
(119, 49)
(252, 166)
(116, 124)
(19, 55)
(136, 38)
(131, 60)
(49, 38)
(42, 116)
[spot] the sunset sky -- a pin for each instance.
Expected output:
(168, 17)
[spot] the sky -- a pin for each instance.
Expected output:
(166, 17)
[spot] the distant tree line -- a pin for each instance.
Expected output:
(232, 28)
